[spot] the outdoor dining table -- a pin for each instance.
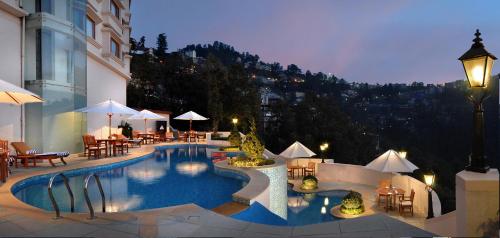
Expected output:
(391, 195)
(109, 145)
(297, 167)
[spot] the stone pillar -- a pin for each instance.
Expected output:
(477, 201)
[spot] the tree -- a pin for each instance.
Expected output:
(161, 46)
(252, 146)
(215, 75)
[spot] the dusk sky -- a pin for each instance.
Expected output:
(360, 41)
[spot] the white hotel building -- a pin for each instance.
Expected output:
(72, 53)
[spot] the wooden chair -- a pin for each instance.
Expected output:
(406, 203)
(183, 136)
(169, 137)
(310, 169)
(93, 147)
(383, 184)
(4, 160)
(192, 136)
(25, 153)
(121, 144)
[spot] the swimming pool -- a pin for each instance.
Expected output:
(302, 209)
(173, 175)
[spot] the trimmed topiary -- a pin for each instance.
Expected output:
(352, 204)
(309, 182)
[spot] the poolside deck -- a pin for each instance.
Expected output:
(19, 219)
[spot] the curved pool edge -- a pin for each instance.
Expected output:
(10, 200)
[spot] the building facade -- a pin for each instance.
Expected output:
(72, 53)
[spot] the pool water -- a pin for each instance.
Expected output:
(303, 209)
(173, 175)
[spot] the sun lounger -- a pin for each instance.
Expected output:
(25, 153)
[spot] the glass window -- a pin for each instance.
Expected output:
(115, 48)
(115, 10)
(46, 6)
(90, 28)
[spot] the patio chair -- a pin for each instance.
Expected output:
(183, 136)
(201, 136)
(25, 153)
(4, 160)
(383, 184)
(169, 136)
(130, 142)
(135, 136)
(406, 203)
(289, 169)
(93, 147)
(121, 144)
(310, 169)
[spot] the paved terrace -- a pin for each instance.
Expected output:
(20, 219)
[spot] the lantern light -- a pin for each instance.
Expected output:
(429, 179)
(477, 63)
(403, 154)
(235, 120)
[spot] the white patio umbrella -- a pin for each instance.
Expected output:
(391, 161)
(146, 115)
(191, 116)
(109, 107)
(12, 94)
(297, 150)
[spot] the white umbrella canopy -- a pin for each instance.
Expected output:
(391, 161)
(191, 116)
(146, 115)
(297, 150)
(109, 107)
(12, 94)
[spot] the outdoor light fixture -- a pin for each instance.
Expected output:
(403, 154)
(323, 147)
(429, 182)
(235, 120)
(478, 63)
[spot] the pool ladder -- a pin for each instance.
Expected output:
(85, 190)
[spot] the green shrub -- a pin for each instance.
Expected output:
(246, 162)
(309, 182)
(126, 129)
(352, 204)
(235, 137)
(252, 146)
(230, 148)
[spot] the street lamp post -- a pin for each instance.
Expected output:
(429, 181)
(478, 63)
(323, 148)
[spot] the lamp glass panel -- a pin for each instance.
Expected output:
(475, 71)
(429, 179)
(489, 66)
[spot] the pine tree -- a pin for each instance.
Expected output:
(252, 146)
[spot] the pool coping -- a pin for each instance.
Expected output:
(22, 211)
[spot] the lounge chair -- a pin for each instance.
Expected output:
(406, 203)
(25, 153)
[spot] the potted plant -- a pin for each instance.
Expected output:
(352, 204)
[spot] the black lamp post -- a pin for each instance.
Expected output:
(323, 148)
(477, 63)
(429, 181)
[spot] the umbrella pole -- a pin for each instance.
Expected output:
(109, 115)
(145, 126)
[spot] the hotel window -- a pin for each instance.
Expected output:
(90, 27)
(115, 10)
(115, 48)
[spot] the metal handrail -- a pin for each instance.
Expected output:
(85, 190)
(53, 200)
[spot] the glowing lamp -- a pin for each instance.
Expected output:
(322, 148)
(235, 120)
(403, 154)
(477, 63)
(325, 145)
(429, 179)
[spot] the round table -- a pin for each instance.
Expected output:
(391, 194)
